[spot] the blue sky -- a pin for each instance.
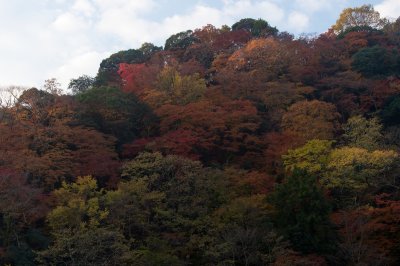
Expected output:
(42, 39)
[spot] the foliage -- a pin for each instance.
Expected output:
(81, 84)
(391, 112)
(301, 213)
(107, 74)
(177, 89)
(312, 120)
(211, 152)
(257, 27)
(312, 157)
(376, 61)
(364, 15)
(363, 133)
(111, 111)
(180, 40)
(358, 169)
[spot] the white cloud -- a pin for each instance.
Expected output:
(84, 7)
(70, 23)
(255, 9)
(130, 26)
(84, 63)
(298, 22)
(311, 6)
(389, 9)
(134, 6)
(65, 39)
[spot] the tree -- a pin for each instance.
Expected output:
(138, 78)
(93, 247)
(81, 84)
(181, 40)
(376, 61)
(164, 204)
(226, 130)
(258, 28)
(363, 133)
(312, 157)
(356, 169)
(52, 86)
(21, 207)
(312, 120)
(390, 114)
(148, 49)
(364, 15)
(114, 112)
(242, 234)
(178, 89)
(108, 71)
(364, 231)
(301, 213)
(77, 227)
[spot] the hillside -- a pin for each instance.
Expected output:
(238, 145)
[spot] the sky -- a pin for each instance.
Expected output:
(64, 39)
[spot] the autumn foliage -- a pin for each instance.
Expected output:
(229, 146)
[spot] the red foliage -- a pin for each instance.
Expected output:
(370, 234)
(137, 77)
(179, 142)
(277, 145)
(258, 182)
(19, 200)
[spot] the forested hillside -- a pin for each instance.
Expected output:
(238, 145)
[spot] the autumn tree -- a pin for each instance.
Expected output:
(359, 16)
(21, 207)
(312, 120)
(52, 86)
(177, 89)
(107, 73)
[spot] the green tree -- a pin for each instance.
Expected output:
(77, 226)
(164, 204)
(356, 169)
(114, 112)
(78, 206)
(301, 213)
(312, 157)
(376, 61)
(180, 40)
(148, 49)
(363, 133)
(81, 84)
(97, 246)
(178, 89)
(390, 114)
(257, 28)
(242, 234)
